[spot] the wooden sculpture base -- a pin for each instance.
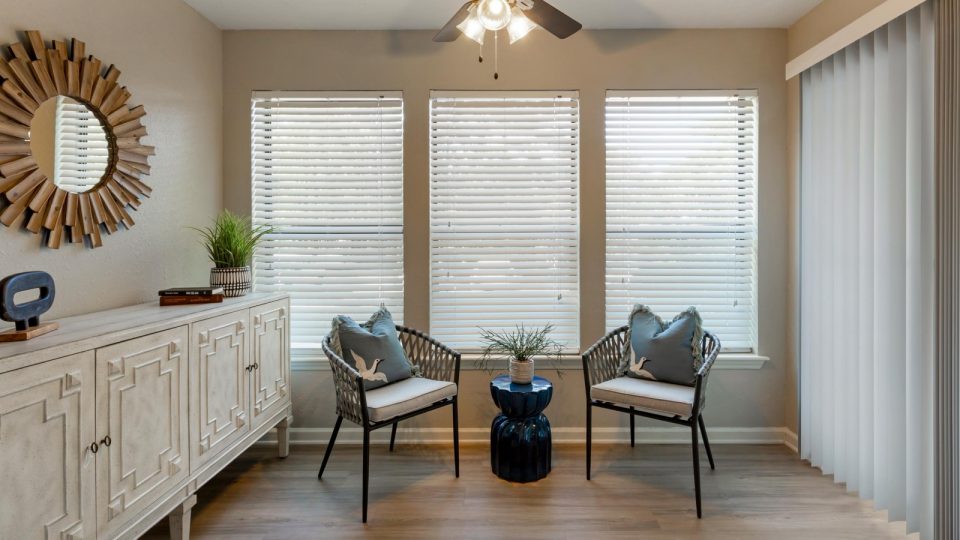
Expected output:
(29, 333)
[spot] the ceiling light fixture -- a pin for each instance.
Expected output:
(472, 27)
(518, 17)
(519, 25)
(494, 14)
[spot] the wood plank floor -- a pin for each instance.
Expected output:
(757, 492)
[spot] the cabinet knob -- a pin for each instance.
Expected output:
(241, 420)
(204, 338)
(175, 347)
(94, 447)
(241, 327)
(257, 319)
(106, 441)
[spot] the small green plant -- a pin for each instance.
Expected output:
(231, 240)
(520, 344)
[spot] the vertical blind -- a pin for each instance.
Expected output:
(681, 208)
(867, 315)
(81, 151)
(504, 214)
(328, 177)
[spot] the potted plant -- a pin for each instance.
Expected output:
(230, 243)
(520, 346)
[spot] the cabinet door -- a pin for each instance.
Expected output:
(219, 382)
(142, 407)
(270, 353)
(46, 460)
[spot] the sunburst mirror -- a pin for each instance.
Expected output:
(71, 157)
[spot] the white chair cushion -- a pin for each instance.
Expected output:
(406, 396)
(656, 396)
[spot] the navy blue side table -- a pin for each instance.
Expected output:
(520, 442)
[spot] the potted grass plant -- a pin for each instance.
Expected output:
(520, 346)
(230, 243)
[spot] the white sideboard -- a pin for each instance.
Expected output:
(116, 419)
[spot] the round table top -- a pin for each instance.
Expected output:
(504, 384)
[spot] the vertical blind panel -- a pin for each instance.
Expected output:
(504, 244)
(328, 177)
(681, 209)
(81, 152)
(867, 281)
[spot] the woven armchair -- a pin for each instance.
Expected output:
(601, 366)
(437, 370)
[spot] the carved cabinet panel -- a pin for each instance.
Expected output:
(142, 402)
(219, 385)
(46, 429)
(270, 343)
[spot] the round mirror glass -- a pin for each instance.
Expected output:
(69, 144)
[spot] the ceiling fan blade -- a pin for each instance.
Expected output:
(450, 32)
(552, 19)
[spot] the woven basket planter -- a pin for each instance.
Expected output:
(235, 281)
(521, 372)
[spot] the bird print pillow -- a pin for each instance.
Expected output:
(658, 351)
(372, 348)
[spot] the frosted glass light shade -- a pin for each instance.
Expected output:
(473, 28)
(494, 14)
(519, 25)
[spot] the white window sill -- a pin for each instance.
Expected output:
(314, 360)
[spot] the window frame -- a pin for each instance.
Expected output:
(571, 349)
(745, 353)
(310, 350)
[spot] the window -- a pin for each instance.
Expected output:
(503, 214)
(681, 208)
(81, 150)
(327, 175)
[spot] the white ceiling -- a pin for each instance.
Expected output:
(432, 14)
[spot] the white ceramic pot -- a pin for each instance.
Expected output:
(235, 281)
(521, 372)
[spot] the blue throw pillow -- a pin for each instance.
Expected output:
(373, 348)
(668, 352)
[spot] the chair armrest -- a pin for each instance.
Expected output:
(434, 359)
(711, 350)
(602, 360)
(348, 384)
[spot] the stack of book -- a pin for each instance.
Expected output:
(191, 295)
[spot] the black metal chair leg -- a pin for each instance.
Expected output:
(706, 442)
(696, 466)
(633, 429)
(366, 469)
(333, 438)
(393, 435)
(456, 440)
(589, 437)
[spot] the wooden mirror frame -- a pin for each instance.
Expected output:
(35, 200)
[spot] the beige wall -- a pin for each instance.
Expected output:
(171, 60)
(590, 62)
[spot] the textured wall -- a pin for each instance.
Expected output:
(171, 61)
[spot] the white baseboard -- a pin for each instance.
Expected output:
(645, 435)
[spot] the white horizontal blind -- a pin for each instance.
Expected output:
(81, 151)
(681, 208)
(504, 214)
(328, 176)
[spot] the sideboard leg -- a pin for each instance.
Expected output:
(283, 437)
(180, 519)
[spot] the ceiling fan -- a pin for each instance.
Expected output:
(517, 17)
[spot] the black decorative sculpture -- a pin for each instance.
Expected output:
(26, 316)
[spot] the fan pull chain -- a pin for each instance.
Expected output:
(496, 55)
